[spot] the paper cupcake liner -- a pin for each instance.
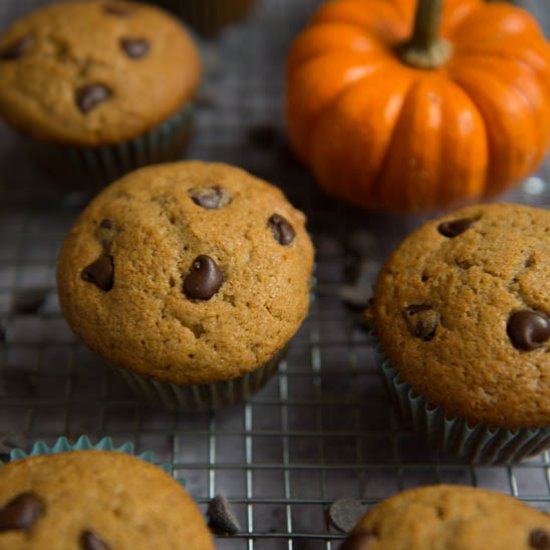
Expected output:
(478, 443)
(92, 168)
(208, 17)
(83, 443)
(200, 398)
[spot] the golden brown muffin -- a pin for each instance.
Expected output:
(462, 311)
(96, 500)
(450, 517)
(190, 273)
(94, 72)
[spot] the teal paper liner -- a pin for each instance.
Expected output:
(92, 168)
(200, 398)
(208, 17)
(479, 443)
(83, 443)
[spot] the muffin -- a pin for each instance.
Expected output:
(461, 311)
(191, 278)
(451, 516)
(99, 87)
(96, 500)
(208, 17)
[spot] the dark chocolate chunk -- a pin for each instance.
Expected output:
(455, 227)
(120, 10)
(204, 279)
(101, 272)
(90, 541)
(90, 96)
(21, 512)
(539, 539)
(135, 47)
(16, 49)
(210, 198)
(106, 223)
(527, 330)
(221, 516)
(359, 541)
(422, 321)
(282, 230)
(344, 513)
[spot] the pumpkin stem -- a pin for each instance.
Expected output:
(425, 49)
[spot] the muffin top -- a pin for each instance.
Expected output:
(187, 272)
(95, 72)
(451, 518)
(96, 500)
(462, 310)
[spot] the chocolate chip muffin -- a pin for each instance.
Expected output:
(208, 17)
(190, 277)
(451, 516)
(96, 500)
(107, 84)
(461, 310)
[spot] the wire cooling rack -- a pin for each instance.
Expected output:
(322, 429)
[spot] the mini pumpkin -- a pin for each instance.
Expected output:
(411, 111)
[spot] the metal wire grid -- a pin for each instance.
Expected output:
(322, 428)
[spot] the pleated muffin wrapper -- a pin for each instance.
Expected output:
(208, 17)
(478, 443)
(201, 397)
(83, 443)
(90, 169)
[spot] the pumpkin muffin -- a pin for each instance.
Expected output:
(461, 310)
(191, 278)
(450, 516)
(96, 500)
(105, 85)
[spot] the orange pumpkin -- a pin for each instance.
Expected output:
(414, 113)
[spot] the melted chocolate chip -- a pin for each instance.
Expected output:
(117, 9)
(90, 541)
(422, 321)
(135, 47)
(15, 50)
(210, 198)
(90, 96)
(359, 541)
(21, 512)
(282, 230)
(455, 227)
(204, 279)
(539, 539)
(106, 223)
(527, 330)
(101, 272)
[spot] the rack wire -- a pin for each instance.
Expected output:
(322, 429)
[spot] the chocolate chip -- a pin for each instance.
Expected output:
(210, 198)
(527, 330)
(21, 512)
(539, 539)
(359, 541)
(222, 519)
(422, 321)
(204, 279)
(117, 9)
(106, 224)
(135, 47)
(90, 96)
(455, 227)
(101, 272)
(90, 541)
(282, 230)
(344, 513)
(14, 50)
